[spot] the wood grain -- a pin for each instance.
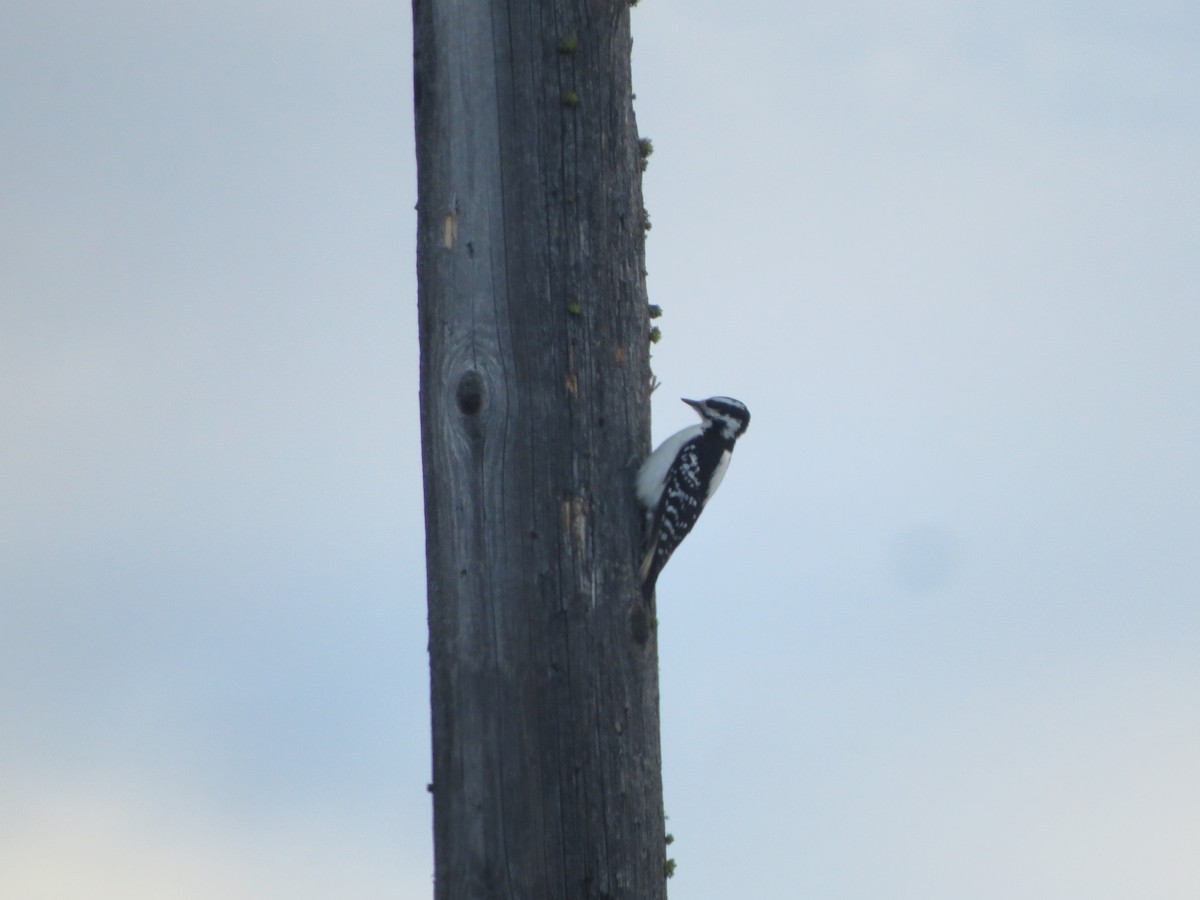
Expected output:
(535, 412)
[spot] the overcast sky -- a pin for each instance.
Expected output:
(937, 638)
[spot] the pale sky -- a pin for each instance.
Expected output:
(937, 638)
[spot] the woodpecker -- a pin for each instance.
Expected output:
(679, 478)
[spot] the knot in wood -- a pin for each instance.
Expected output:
(470, 393)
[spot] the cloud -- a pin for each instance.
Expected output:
(138, 840)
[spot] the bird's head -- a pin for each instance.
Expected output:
(725, 413)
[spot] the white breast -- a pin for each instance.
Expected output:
(653, 474)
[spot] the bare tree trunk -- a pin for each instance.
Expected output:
(534, 413)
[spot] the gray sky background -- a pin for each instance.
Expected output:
(939, 636)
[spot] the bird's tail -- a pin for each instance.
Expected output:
(648, 571)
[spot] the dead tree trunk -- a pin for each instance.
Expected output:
(534, 415)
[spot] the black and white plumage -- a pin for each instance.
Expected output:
(679, 478)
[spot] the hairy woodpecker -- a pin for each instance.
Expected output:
(680, 477)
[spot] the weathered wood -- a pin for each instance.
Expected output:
(535, 413)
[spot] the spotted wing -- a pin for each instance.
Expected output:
(682, 501)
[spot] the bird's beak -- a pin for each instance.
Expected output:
(697, 405)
